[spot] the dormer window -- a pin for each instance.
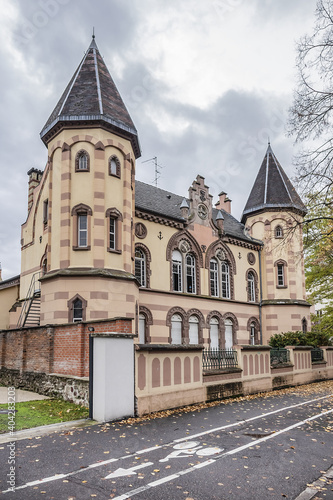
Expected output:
(114, 166)
(82, 163)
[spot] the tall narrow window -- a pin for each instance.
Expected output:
(251, 287)
(214, 333)
(304, 325)
(114, 166)
(45, 213)
(77, 310)
(82, 161)
(82, 227)
(112, 234)
(193, 330)
(177, 271)
(278, 232)
(214, 278)
(140, 267)
(190, 273)
(252, 334)
(228, 333)
(225, 280)
(280, 275)
(176, 329)
(142, 328)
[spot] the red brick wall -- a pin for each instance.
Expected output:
(61, 349)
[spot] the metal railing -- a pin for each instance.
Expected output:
(279, 356)
(33, 289)
(317, 354)
(219, 359)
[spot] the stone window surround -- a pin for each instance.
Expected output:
(77, 159)
(145, 250)
(70, 305)
(113, 213)
(81, 209)
(284, 264)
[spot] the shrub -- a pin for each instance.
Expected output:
(314, 339)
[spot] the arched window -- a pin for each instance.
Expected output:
(193, 330)
(251, 290)
(176, 329)
(225, 280)
(114, 166)
(77, 309)
(304, 325)
(214, 278)
(278, 232)
(81, 227)
(114, 229)
(253, 327)
(281, 278)
(82, 163)
(228, 333)
(177, 271)
(142, 328)
(140, 266)
(214, 333)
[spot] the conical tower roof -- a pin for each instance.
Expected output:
(272, 190)
(91, 98)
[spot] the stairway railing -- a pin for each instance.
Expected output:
(33, 289)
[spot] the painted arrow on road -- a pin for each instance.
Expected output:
(127, 472)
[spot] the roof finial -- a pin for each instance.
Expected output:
(93, 35)
(269, 142)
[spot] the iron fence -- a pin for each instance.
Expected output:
(219, 359)
(317, 354)
(279, 356)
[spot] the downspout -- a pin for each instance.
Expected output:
(260, 298)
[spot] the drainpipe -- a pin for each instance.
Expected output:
(260, 299)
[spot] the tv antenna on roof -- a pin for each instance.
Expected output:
(157, 167)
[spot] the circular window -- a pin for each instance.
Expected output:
(251, 258)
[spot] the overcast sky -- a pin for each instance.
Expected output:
(206, 83)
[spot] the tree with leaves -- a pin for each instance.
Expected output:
(311, 115)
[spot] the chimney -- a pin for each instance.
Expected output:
(34, 180)
(224, 203)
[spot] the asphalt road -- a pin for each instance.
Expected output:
(255, 448)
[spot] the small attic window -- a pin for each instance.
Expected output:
(114, 166)
(278, 232)
(82, 163)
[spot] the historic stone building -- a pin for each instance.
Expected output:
(98, 244)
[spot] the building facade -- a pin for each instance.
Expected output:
(98, 244)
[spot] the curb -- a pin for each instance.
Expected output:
(316, 486)
(45, 429)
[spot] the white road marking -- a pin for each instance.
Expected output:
(147, 450)
(128, 472)
(130, 494)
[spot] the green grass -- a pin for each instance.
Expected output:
(35, 413)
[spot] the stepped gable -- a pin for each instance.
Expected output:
(92, 96)
(272, 189)
(157, 201)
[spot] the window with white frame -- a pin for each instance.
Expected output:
(251, 287)
(142, 328)
(176, 329)
(114, 166)
(193, 330)
(214, 333)
(252, 334)
(82, 230)
(214, 278)
(140, 266)
(190, 273)
(112, 234)
(82, 161)
(225, 280)
(177, 271)
(77, 310)
(280, 275)
(228, 333)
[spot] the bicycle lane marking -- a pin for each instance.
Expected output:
(172, 443)
(176, 475)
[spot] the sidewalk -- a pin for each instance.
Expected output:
(20, 395)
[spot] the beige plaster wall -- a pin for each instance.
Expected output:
(8, 297)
